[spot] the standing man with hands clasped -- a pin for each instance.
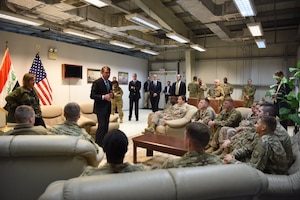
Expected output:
(155, 89)
(134, 88)
(102, 94)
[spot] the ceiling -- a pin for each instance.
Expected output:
(193, 19)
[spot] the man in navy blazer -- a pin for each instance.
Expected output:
(134, 88)
(181, 87)
(102, 94)
(155, 89)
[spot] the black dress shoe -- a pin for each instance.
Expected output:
(129, 119)
(137, 119)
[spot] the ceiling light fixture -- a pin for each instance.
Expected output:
(81, 34)
(155, 53)
(261, 43)
(177, 37)
(98, 3)
(20, 19)
(245, 7)
(141, 20)
(255, 29)
(198, 47)
(122, 44)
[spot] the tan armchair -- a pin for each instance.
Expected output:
(87, 111)
(176, 127)
(29, 163)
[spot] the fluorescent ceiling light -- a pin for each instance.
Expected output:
(139, 19)
(20, 19)
(245, 7)
(98, 3)
(81, 34)
(198, 47)
(261, 43)
(255, 29)
(177, 37)
(155, 53)
(122, 44)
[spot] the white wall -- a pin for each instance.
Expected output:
(23, 50)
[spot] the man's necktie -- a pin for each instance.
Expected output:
(177, 89)
(107, 85)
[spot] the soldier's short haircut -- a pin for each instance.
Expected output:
(268, 108)
(229, 99)
(270, 122)
(195, 78)
(183, 98)
(115, 146)
(198, 133)
(72, 111)
(23, 113)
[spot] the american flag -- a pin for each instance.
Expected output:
(42, 84)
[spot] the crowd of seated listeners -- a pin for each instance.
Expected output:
(259, 140)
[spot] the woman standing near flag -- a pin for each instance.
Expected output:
(25, 95)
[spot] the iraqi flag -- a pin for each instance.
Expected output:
(8, 78)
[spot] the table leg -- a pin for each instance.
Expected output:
(149, 152)
(134, 153)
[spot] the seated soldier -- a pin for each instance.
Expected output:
(25, 117)
(115, 146)
(226, 133)
(70, 126)
(177, 111)
(268, 155)
(205, 113)
(229, 116)
(196, 137)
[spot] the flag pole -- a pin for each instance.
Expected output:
(6, 45)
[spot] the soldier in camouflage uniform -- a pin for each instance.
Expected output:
(229, 116)
(193, 88)
(226, 133)
(70, 126)
(196, 138)
(216, 92)
(202, 89)
(227, 88)
(268, 155)
(117, 101)
(115, 146)
(205, 113)
(248, 94)
(178, 111)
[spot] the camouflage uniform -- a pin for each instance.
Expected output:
(193, 159)
(285, 140)
(205, 116)
(73, 129)
(117, 101)
(269, 156)
(112, 169)
(250, 92)
(201, 91)
(193, 88)
(27, 129)
(176, 112)
(231, 118)
(228, 89)
(215, 92)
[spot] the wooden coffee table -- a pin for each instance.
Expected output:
(155, 142)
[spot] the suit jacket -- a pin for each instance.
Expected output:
(98, 90)
(155, 89)
(134, 90)
(182, 89)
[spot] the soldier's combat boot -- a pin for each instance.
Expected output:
(210, 149)
(218, 151)
(224, 153)
(151, 128)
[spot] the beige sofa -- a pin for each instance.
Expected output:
(87, 112)
(175, 127)
(29, 163)
(53, 114)
(226, 182)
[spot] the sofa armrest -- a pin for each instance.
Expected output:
(84, 121)
(177, 123)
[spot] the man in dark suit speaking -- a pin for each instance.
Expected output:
(102, 94)
(155, 89)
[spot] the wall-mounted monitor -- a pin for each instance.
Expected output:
(71, 71)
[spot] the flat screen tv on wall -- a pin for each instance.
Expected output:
(71, 71)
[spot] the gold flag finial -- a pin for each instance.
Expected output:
(38, 48)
